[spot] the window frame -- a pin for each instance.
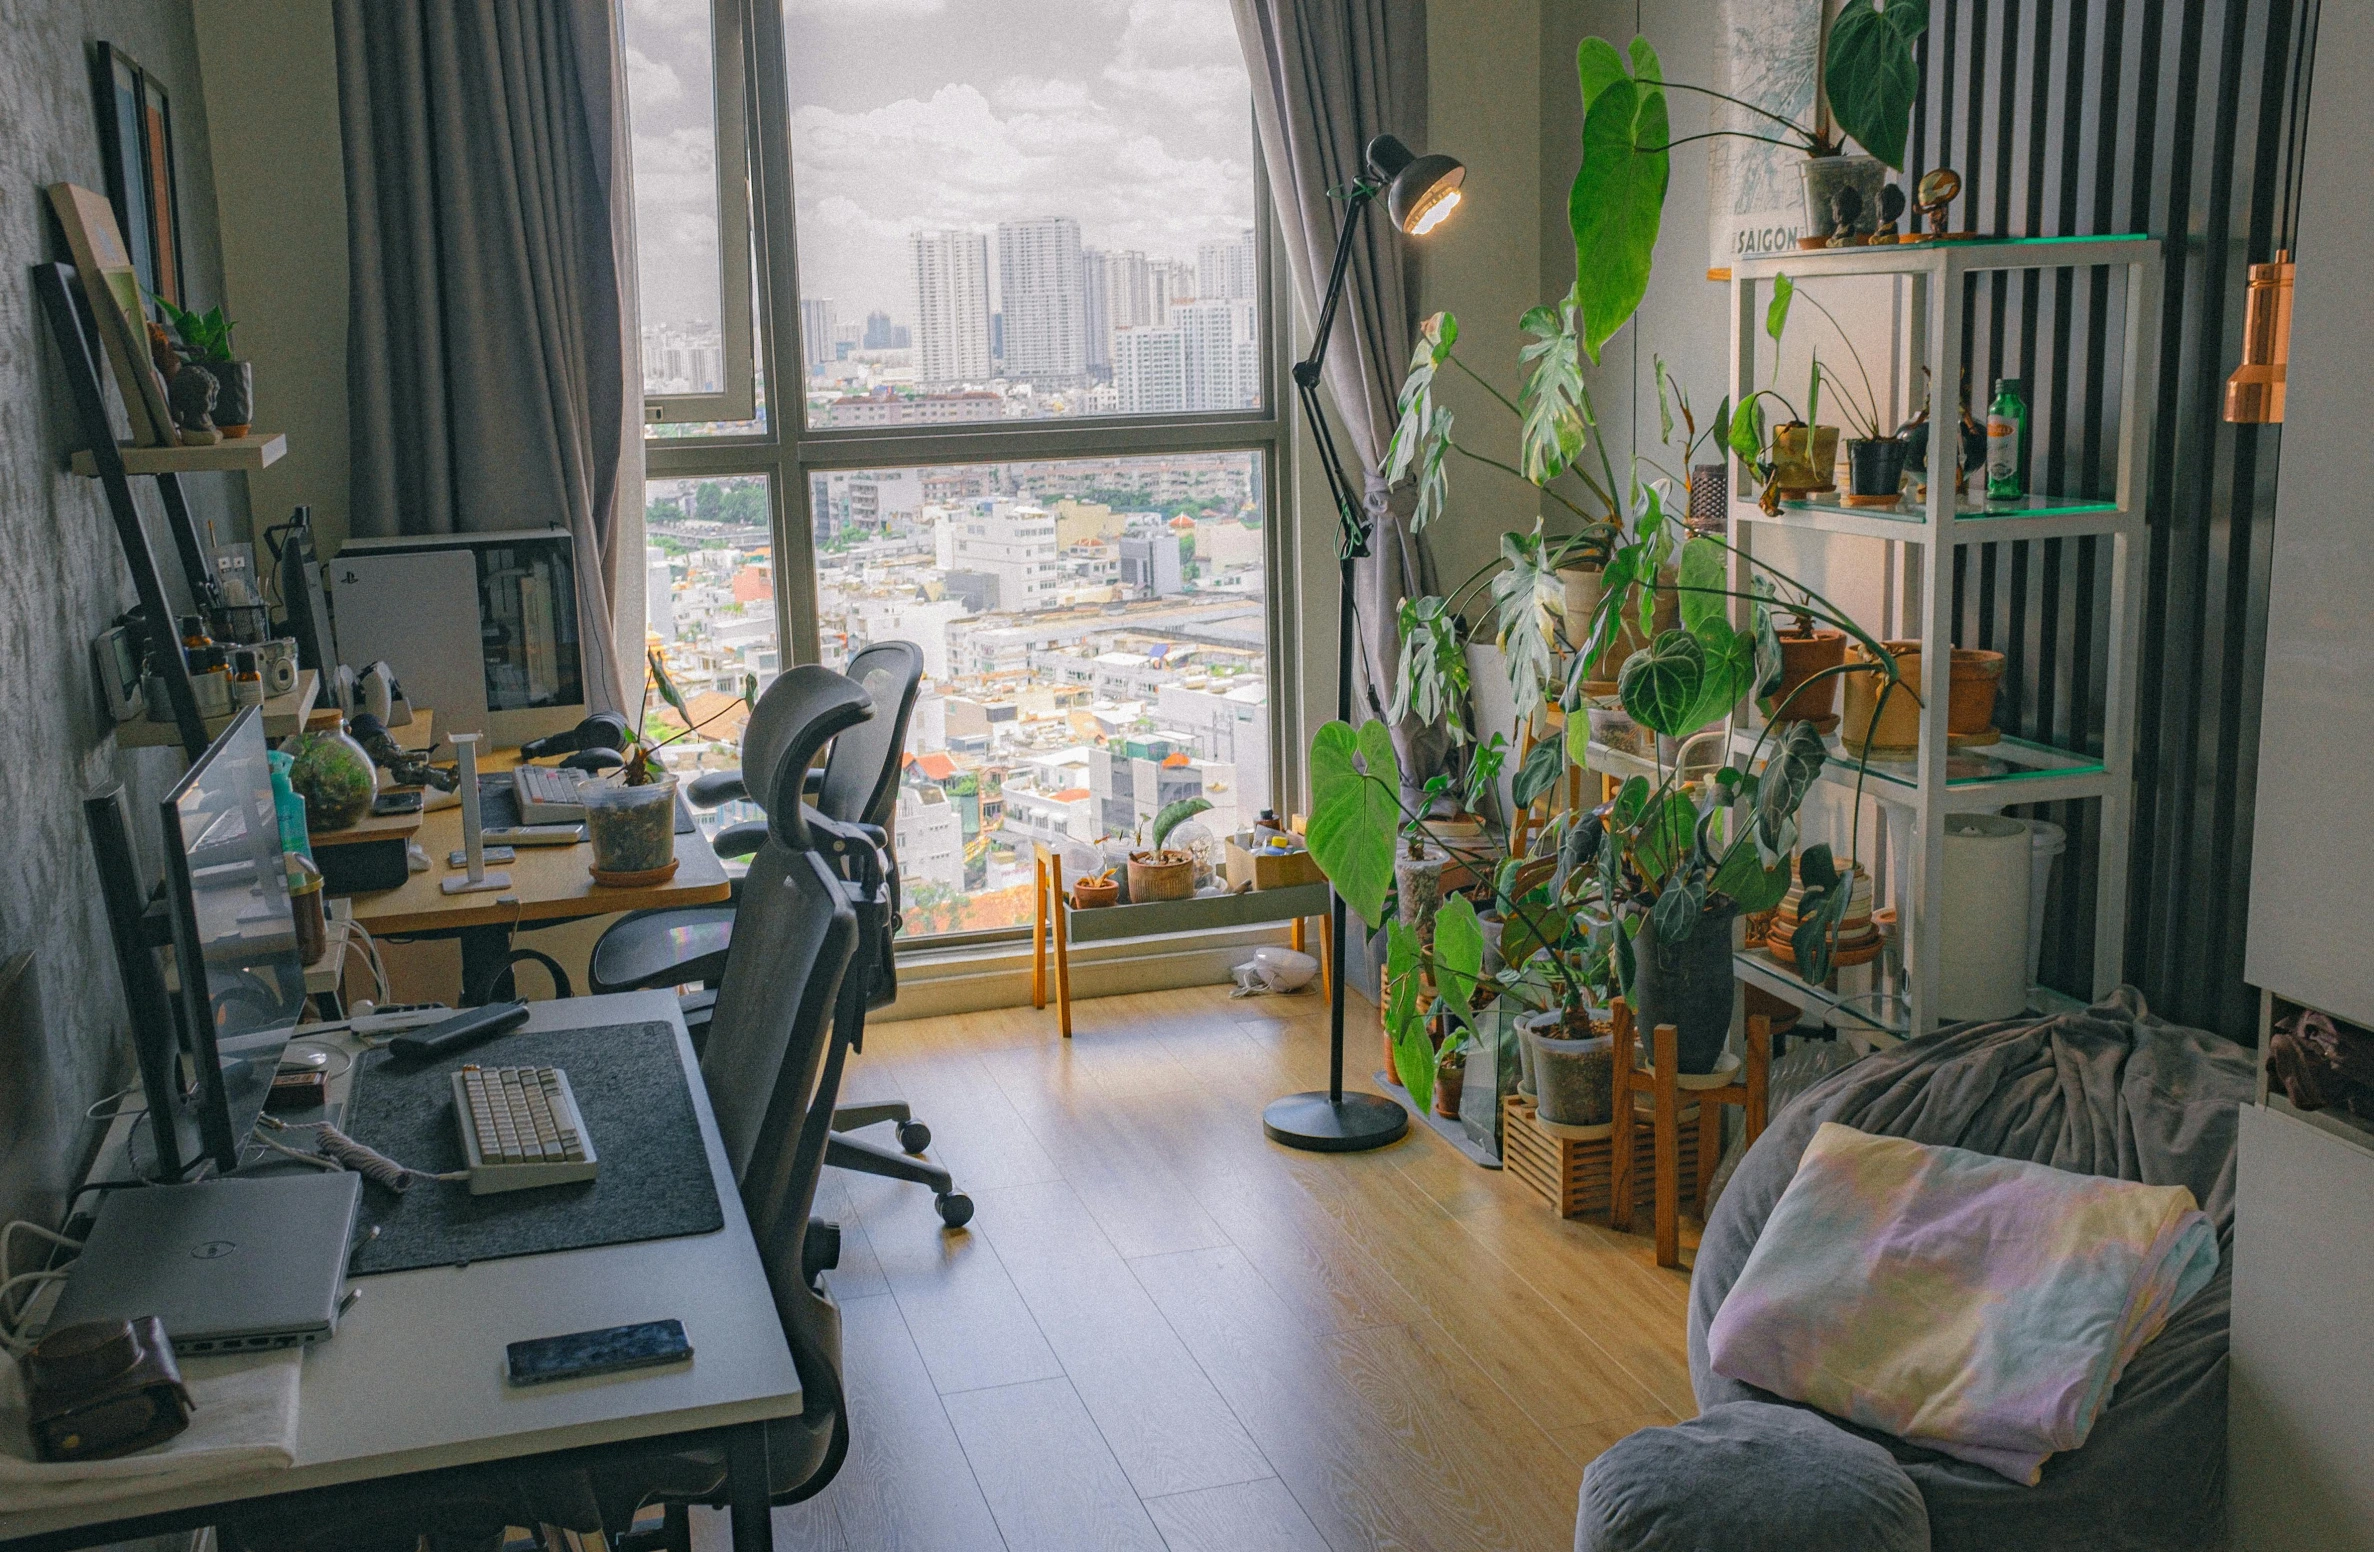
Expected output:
(787, 451)
(729, 58)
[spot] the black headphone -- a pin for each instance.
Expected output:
(602, 730)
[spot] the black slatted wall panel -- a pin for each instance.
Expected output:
(2178, 118)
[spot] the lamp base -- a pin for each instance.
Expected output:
(1318, 1124)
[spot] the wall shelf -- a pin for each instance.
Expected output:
(256, 450)
(283, 715)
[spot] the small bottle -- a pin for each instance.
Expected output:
(2007, 426)
(288, 808)
(247, 679)
(194, 638)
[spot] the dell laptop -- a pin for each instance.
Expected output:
(233, 1265)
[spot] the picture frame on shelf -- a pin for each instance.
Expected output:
(111, 282)
(136, 160)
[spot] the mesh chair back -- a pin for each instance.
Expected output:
(861, 774)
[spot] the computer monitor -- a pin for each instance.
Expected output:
(242, 984)
(481, 627)
(304, 606)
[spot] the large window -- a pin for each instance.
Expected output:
(1015, 252)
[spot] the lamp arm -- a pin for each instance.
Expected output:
(1357, 200)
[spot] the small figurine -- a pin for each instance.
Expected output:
(1846, 208)
(190, 395)
(1891, 210)
(1938, 189)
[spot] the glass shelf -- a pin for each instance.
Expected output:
(1877, 1015)
(1965, 511)
(2006, 761)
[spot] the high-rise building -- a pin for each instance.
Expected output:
(1096, 300)
(882, 334)
(1225, 271)
(816, 330)
(1167, 285)
(950, 274)
(659, 594)
(1213, 364)
(1150, 371)
(1040, 294)
(1129, 292)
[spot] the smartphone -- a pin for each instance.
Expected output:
(608, 1351)
(396, 803)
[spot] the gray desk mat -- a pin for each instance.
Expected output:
(653, 1181)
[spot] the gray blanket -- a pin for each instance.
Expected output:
(2112, 1091)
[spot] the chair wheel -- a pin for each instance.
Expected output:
(914, 1136)
(956, 1208)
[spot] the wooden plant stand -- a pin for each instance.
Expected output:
(1573, 1174)
(1667, 1088)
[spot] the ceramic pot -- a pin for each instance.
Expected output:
(1450, 1077)
(1574, 1080)
(234, 394)
(1893, 729)
(633, 829)
(1687, 985)
(1161, 875)
(1875, 467)
(1824, 176)
(1088, 894)
(1802, 657)
(1805, 464)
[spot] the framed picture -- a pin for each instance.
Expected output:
(136, 150)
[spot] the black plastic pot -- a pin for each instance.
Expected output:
(1687, 985)
(1875, 466)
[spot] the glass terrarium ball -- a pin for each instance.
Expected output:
(330, 771)
(1197, 840)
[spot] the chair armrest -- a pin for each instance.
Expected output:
(740, 840)
(711, 788)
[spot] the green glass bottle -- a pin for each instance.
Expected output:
(2007, 425)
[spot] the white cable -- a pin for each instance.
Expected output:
(116, 1099)
(355, 931)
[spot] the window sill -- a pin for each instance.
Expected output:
(974, 978)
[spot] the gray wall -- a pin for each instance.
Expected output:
(62, 579)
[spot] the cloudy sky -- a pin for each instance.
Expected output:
(1131, 116)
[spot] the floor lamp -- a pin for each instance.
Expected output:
(1419, 191)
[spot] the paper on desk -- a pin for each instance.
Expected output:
(245, 1421)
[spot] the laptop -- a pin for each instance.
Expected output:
(234, 1265)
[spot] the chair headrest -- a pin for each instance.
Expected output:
(814, 705)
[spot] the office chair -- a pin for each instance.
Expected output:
(786, 1012)
(688, 944)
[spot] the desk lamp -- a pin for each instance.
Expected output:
(1420, 193)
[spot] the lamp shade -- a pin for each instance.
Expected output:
(1420, 191)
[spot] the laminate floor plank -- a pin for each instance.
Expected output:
(975, 1134)
(859, 1275)
(800, 1527)
(967, 1319)
(1156, 1409)
(1043, 1466)
(1243, 1517)
(1586, 1442)
(907, 1485)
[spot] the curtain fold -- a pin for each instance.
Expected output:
(1328, 76)
(490, 361)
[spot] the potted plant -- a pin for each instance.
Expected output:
(1090, 892)
(631, 822)
(1161, 873)
(205, 344)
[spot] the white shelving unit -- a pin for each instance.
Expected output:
(1922, 791)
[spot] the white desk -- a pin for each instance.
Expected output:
(414, 1379)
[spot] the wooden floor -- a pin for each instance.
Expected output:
(1163, 1331)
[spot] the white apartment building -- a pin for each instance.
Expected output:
(1225, 270)
(1227, 721)
(1150, 371)
(1011, 543)
(659, 594)
(1219, 362)
(1068, 814)
(930, 838)
(817, 341)
(1096, 305)
(1040, 294)
(949, 271)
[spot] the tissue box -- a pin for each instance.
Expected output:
(1268, 870)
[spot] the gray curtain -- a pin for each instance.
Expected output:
(489, 230)
(1329, 75)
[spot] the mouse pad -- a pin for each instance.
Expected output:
(653, 1181)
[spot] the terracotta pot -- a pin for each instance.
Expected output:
(1802, 657)
(1450, 1077)
(1088, 893)
(1161, 875)
(1894, 729)
(1803, 469)
(1970, 707)
(1667, 616)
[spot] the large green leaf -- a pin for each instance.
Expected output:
(1675, 915)
(1431, 683)
(1820, 910)
(1776, 312)
(1663, 837)
(1553, 396)
(1413, 1054)
(1748, 881)
(1787, 777)
(1662, 683)
(1458, 955)
(1415, 404)
(1618, 199)
(1703, 580)
(1544, 764)
(1597, 65)
(1873, 74)
(1729, 673)
(1747, 429)
(1174, 815)
(1355, 813)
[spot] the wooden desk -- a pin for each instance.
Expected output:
(414, 1379)
(548, 884)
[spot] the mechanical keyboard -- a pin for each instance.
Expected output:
(520, 1128)
(547, 796)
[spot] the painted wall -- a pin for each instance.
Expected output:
(271, 72)
(62, 579)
